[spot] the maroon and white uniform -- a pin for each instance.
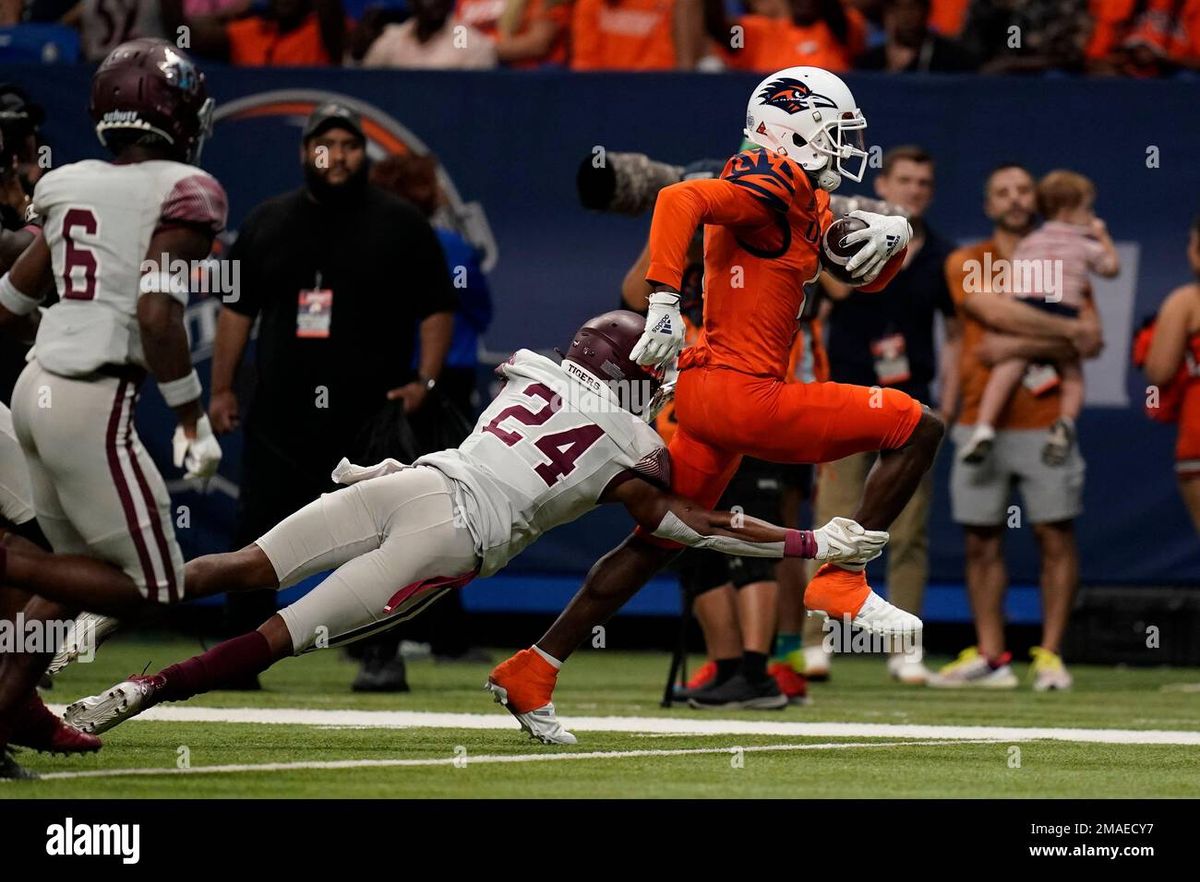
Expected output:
(95, 489)
(541, 455)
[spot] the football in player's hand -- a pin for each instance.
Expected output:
(835, 253)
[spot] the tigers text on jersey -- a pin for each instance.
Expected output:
(98, 219)
(541, 455)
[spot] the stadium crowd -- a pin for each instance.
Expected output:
(1137, 38)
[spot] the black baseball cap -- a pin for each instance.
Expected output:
(17, 111)
(333, 115)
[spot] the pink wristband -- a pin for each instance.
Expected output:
(800, 543)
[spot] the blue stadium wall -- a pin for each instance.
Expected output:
(512, 142)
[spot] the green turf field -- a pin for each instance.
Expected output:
(413, 755)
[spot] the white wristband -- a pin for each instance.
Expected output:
(181, 391)
(165, 282)
(14, 300)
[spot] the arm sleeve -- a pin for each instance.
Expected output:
(675, 530)
(197, 201)
(684, 206)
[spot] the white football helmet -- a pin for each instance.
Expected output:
(808, 115)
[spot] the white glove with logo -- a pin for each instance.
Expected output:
(884, 236)
(663, 338)
(199, 456)
(843, 540)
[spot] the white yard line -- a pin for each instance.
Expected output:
(466, 760)
(680, 725)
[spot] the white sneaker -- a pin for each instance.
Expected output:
(86, 633)
(909, 668)
(99, 713)
(541, 723)
(972, 671)
(816, 663)
(1049, 672)
(979, 446)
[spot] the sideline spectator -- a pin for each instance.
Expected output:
(1174, 357)
(1052, 496)
(341, 276)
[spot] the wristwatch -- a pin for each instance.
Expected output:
(430, 382)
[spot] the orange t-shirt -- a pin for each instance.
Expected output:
(622, 35)
(256, 42)
(485, 15)
(1024, 409)
(947, 17)
(770, 44)
(1112, 21)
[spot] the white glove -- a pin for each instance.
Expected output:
(843, 540)
(664, 394)
(663, 338)
(884, 236)
(199, 456)
(346, 472)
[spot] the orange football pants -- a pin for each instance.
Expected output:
(724, 415)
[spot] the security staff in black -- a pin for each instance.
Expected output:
(342, 277)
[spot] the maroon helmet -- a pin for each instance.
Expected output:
(150, 87)
(602, 346)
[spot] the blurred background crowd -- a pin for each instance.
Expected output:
(1139, 38)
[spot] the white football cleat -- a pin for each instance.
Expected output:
(99, 713)
(86, 633)
(877, 616)
(908, 668)
(541, 723)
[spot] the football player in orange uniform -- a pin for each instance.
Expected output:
(765, 219)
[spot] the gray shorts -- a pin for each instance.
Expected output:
(980, 494)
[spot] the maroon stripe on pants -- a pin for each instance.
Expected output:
(118, 476)
(160, 538)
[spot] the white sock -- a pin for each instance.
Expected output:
(555, 663)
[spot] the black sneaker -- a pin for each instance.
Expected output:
(381, 675)
(738, 693)
(1060, 440)
(9, 770)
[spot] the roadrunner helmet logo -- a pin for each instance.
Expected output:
(792, 95)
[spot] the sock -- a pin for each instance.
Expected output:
(245, 656)
(726, 668)
(550, 660)
(754, 666)
(786, 643)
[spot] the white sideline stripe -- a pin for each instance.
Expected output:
(484, 759)
(666, 725)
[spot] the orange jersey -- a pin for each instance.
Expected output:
(256, 41)
(765, 221)
(622, 35)
(771, 44)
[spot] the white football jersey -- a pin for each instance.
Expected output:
(98, 219)
(541, 455)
